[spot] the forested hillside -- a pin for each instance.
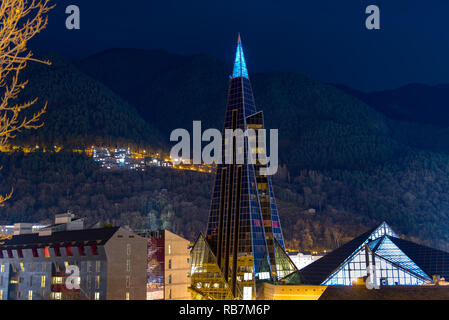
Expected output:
(345, 165)
(81, 111)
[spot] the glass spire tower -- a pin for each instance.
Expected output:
(243, 244)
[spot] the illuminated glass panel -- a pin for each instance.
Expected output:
(388, 250)
(284, 265)
(240, 69)
(388, 274)
(350, 271)
(383, 230)
(207, 281)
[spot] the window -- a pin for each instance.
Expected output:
(97, 282)
(2, 268)
(22, 267)
(128, 265)
(47, 252)
(169, 264)
(43, 281)
(127, 296)
(97, 296)
(169, 249)
(30, 294)
(81, 250)
(98, 266)
(1, 294)
(56, 295)
(128, 281)
(66, 264)
(56, 280)
(169, 279)
(89, 266)
(69, 251)
(128, 249)
(169, 293)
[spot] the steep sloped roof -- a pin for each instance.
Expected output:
(33, 239)
(320, 270)
(431, 261)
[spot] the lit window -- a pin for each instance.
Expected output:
(2, 268)
(47, 252)
(43, 281)
(97, 295)
(169, 249)
(127, 296)
(247, 293)
(97, 282)
(248, 276)
(30, 294)
(1, 294)
(56, 295)
(57, 280)
(22, 267)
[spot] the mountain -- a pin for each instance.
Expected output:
(81, 111)
(342, 157)
(412, 103)
(345, 166)
(174, 94)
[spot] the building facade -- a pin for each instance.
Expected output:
(243, 243)
(168, 266)
(91, 264)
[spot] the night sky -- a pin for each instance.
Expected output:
(325, 39)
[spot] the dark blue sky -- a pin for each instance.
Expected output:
(325, 39)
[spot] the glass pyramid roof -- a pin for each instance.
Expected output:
(240, 69)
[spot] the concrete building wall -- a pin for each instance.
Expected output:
(177, 267)
(127, 264)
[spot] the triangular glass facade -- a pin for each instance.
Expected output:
(284, 265)
(240, 69)
(379, 257)
(244, 231)
(207, 281)
(390, 252)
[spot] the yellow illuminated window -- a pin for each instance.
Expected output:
(97, 282)
(2, 268)
(43, 281)
(22, 267)
(127, 296)
(30, 294)
(97, 295)
(56, 295)
(66, 264)
(1, 294)
(57, 280)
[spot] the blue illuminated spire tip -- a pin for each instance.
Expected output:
(240, 64)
